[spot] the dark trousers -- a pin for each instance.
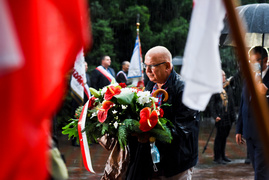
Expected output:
(220, 141)
(258, 159)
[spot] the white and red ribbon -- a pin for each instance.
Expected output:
(85, 151)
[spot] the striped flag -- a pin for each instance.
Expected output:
(135, 69)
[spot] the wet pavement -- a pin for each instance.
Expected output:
(204, 170)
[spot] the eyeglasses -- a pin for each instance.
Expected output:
(152, 66)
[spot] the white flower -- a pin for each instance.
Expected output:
(114, 84)
(103, 90)
(114, 112)
(143, 97)
(124, 106)
(93, 115)
(154, 99)
(115, 124)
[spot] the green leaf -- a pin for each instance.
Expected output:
(94, 92)
(122, 136)
(71, 128)
(125, 99)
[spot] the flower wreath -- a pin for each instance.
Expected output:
(122, 111)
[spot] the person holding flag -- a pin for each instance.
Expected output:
(103, 74)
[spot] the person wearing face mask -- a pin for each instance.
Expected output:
(246, 127)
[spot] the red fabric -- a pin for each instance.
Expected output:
(51, 33)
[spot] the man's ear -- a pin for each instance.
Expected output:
(265, 60)
(168, 65)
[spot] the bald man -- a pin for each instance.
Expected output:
(122, 74)
(178, 158)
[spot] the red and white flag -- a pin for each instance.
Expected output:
(201, 69)
(78, 80)
(49, 34)
(85, 150)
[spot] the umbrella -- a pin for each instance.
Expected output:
(255, 18)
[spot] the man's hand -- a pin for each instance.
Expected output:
(262, 88)
(239, 140)
(218, 119)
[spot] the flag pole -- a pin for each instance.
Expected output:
(137, 31)
(259, 102)
(137, 23)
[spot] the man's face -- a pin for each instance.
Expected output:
(223, 77)
(156, 74)
(106, 61)
(125, 67)
(257, 58)
(86, 66)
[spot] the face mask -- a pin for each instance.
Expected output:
(256, 67)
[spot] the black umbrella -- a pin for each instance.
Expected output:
(255, 18)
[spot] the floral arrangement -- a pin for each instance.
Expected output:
(122, 111)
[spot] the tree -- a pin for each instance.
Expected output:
(114, 27)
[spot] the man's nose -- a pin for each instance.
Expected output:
(148, 69)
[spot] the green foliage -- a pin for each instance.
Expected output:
(71, 129)
(114, 27)
(125, 99)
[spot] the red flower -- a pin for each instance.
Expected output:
(111, 91)
(123, 85)
(102, 113)
(92, 102)
(148, 119)
(161, 112)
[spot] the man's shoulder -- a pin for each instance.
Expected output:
(120, 72)
(111, 69)
(177, 80)
(95, 70)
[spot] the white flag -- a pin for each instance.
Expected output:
(10, 51)
(201, 62)
(78, 79)
(135, 64)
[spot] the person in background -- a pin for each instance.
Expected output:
(103, 74)
(246, 121)
(222, 110)
(87, 74)
(122, 74)
(178, 158)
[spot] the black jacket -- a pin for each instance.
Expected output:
(217, 108)
(246, 121)
(98, 80)
(182, 153)
(121, 78)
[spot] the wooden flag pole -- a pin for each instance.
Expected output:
(259, 102)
